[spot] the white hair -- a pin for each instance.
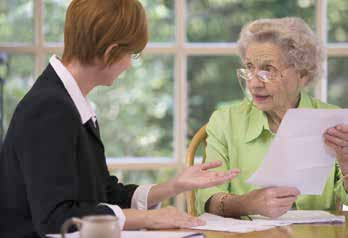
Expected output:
(300, 46)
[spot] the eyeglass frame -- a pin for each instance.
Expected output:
(265, 76)
(259, 77)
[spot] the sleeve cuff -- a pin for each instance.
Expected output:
(118, 213)
(341, 193)
(139, 199)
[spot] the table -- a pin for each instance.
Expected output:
(293, 231)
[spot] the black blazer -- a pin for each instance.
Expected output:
(52, 167)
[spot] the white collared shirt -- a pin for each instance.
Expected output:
(139, 199)
(82, 104)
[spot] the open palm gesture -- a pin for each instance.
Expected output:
(199, 176)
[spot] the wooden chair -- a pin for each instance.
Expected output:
(198, 139)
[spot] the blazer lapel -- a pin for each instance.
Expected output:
(94, 130)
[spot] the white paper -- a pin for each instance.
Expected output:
(68, 235)
(303, 216)
(259, 223)
(298, 156)
(160, 234)
(142, 234)
(218, 223)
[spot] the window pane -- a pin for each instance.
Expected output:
(159, 12)
(221, 20)
(17, 82)
(337, 14)
(147, 177)
(136, 113)
(16, 21)
(54, 18)
(338, 83)
(212, 83)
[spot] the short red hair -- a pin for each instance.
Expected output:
(91, 26)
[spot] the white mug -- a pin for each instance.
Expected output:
(94, 226)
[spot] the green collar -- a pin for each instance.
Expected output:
(305, 101)
(257, 120)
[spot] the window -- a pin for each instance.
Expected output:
(188, 70)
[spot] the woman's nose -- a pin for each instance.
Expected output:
(256, 82)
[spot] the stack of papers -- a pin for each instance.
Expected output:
(298, 156)
(259, 223)
(218, 223)
(303, 217)
(142, 234)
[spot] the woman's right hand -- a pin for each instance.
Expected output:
(170, 217)
(200, 176)
(271, 202)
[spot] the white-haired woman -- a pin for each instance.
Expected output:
(280, 57)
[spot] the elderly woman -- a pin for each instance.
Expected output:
(280, 56)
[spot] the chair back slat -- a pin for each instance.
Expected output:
(198, 139)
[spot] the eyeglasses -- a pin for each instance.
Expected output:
(247, 75)
(135, 56)
(266, 76)
(244, 75)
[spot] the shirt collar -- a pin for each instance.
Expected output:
(257, 120)
(81, 103)
(305, 101)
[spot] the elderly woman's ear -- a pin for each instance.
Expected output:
(304, 78)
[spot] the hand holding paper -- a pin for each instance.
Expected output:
(337, 139)
(298, 156)
(273, 201)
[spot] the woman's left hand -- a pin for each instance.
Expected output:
(337, 139)
(198, 176)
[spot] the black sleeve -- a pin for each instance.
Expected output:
(118, 193)
(46, 142)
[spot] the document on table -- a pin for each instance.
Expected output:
(142, 234)
(259, 223)
(298, 156)
(218, 223)
(303, 216)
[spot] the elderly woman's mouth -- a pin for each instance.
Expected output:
(260, 98)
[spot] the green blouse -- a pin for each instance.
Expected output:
(239, 135)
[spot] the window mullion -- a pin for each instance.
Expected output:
(321, 29)
(180, 124)
(38, 37)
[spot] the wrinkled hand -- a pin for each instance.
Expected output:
(170, 217)
(198, 176)
(273, 201)
(337, 139)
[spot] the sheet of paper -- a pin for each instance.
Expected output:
(259, 223)
(218, 223)
(142, 234)
(298, 156)
(68, 235)
(303, 216)
(160, 234)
